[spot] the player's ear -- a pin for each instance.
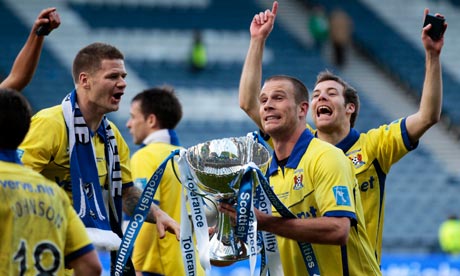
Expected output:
(83, 80)
(303, 108)
(350, 108)
(152, 121)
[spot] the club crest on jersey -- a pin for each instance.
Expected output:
(357, 160)
(298, 181)
(342, 197)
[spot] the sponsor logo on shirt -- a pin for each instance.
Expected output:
(342, 197)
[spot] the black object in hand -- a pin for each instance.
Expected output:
(437, 26)
(44, 29)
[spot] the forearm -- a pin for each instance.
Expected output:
(251, 78)
(25, 63)
(429, 112)
(322, 230)
(431, 101)
(131, 197)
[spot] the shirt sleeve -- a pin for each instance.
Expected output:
(40, 144)
(334, 184)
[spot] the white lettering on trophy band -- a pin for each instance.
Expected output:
(131, 230)
(243, 211)
(149, 191)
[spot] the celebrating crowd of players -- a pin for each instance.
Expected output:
(321, 175)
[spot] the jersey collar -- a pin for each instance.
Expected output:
(296, 155)
(9, 155)
(349, 140)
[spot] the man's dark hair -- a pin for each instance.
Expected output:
(89, 59)
(163, 103)
(300, 90)
(349, 93)
(15, 114)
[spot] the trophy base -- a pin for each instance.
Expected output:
(227, 260)
(225, 253)
(219, 263)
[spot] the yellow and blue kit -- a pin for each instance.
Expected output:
(318, 181)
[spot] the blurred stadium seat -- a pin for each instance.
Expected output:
(395, 53)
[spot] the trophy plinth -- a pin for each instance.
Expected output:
(218, 165)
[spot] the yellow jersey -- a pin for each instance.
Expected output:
(152, 254)
(318, 181)
(47, 151)
(41, 231)
(372, 154)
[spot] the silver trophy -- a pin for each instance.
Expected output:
(218, 165)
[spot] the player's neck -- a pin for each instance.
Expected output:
(333, 137)
(284, 144)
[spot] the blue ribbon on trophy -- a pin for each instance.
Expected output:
(138, 217)
(305, 248)
(246, 223)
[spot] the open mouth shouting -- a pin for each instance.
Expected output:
(323, 110)
(117, 96)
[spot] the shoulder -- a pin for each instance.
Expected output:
(52, 116)
(34, 180)
(154, 151)
(116, 132)
(49, 112)
(322, 146)
(325, 153)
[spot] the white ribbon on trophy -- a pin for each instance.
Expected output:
(198, 218)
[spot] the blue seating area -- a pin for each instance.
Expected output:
(419, 191)
(395, 54)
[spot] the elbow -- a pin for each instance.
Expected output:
(97, 270)
(244, 106)
(341, 232)
(435, 119)
(431, 117)
(431, 121)
(342, 238)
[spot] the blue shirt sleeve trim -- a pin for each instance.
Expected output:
(76, 254)
(347, 214)
(405, 136)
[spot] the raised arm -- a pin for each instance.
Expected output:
(26, 61)
(429, 112)
(251, 76)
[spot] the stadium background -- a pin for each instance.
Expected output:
(385, 64)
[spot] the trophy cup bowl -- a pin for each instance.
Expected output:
(218, 165)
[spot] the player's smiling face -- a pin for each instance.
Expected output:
(328, 107)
